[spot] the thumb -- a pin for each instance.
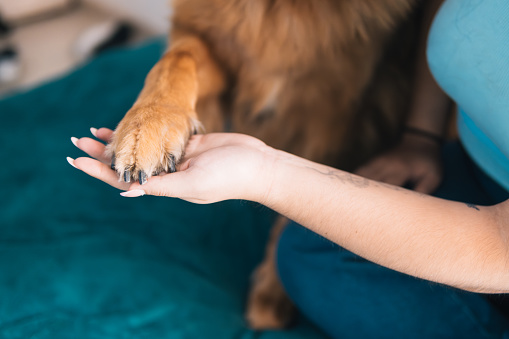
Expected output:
(167, 185)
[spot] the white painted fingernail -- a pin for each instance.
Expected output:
(71, 161)
(133, 193)
(74, 141)
(93, 131)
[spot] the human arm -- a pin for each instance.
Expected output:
(416, 159)
(443, 241)
(449, 242)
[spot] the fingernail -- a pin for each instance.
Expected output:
(71, 161)
(93, 131)
(133, 193)
(74, 141)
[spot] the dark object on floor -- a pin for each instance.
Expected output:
(8, 53)
(10, 64)
(103, 36)
(119, 37)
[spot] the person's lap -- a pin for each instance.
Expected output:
(349, 297)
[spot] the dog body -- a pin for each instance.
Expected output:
(296, 74)
(302, 76)
(312, 77)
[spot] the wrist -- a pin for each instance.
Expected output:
(277, 178)
(283, 186)
(262, 179)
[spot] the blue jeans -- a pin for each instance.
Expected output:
(350, 297)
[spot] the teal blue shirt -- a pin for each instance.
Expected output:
(468, 54)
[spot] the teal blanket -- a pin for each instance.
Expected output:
(79, 261)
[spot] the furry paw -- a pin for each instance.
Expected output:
(150, 140)
(268, 305)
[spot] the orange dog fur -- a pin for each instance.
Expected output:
(312, 77)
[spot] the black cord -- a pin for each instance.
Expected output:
(417, 131)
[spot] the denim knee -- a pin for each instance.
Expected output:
(350, 297)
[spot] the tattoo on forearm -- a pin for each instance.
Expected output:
(344, 177)
(473, 206)
(360, 182)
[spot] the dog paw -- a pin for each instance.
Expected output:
(268, 306)
(150, 140)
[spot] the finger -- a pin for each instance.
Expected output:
(102, 133)
(375, 170)
(93, 148)
(165, 185)
(428, 184)
(396, 179)
(100, 171)
(184, 164)
(174, 185)
(158, 185)
(364, 171)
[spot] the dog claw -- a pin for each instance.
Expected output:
(127, 176)
(142, 177)
(171, 164)
(113, 162)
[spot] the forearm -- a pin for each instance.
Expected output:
(448, 242)
(453, 243)
(443, 241)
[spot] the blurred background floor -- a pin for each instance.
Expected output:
(46, 44)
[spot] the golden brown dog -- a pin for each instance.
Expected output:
(323, 79)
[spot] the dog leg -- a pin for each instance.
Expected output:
(268, 306)
(152, 135)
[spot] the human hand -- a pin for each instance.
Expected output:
(415, 161)
(215, 167)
